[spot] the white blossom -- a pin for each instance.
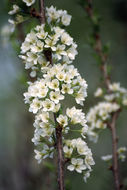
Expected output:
(48, 51)
(68, 151)
(106, 158)
(35, 106)
(117, 94)
(14, 10)
(58, 16)
(98, 116)
(77, 164)
(98, 92)
(29, 2)
(56, 96)
(48, 105)
(66, 19)
(62, 120)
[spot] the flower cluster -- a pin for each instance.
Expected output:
(82, 160)
(45, 96)
(56, 82)
(99, 115)
(117, 94)
(98, 118)
(121, 155)
(48, 51)
(57, 16)
(40, 41)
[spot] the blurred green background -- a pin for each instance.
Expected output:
(18, 168)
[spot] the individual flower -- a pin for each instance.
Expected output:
(52, 14)
(77, 164)
(14, 10)
(12, 24)
(38, 156)
(67, 151)
(62, 120)
(54, 84)
(89, 161)
(56, 96)
(121, 153)
(29, 2)
(35, 105)
(66, 39)
(66, 19)
(106, 158)
(66, 88)
(98, 92)
(43, 116)
(48, 105)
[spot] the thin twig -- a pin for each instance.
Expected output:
(42, 12)
(107, 81)
(114, 149)
(98, 45)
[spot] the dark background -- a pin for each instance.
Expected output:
(18, 168)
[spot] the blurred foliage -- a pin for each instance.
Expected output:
(19, 169)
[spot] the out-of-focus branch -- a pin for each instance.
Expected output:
(98, 48)
(114, 149)
(98, 43)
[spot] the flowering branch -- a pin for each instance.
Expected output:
(103, 57)
(48, 51)
(59, 143)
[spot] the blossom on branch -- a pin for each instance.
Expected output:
(48, 51)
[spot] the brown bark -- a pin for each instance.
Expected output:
(60, 159)
(42, 12)
(60, 156)
(114, 150)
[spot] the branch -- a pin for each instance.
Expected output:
(42, 12)
(60, 159)
(114, 149)
(59, 142)
(59, 147)
(103, 57)
(98, 44)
